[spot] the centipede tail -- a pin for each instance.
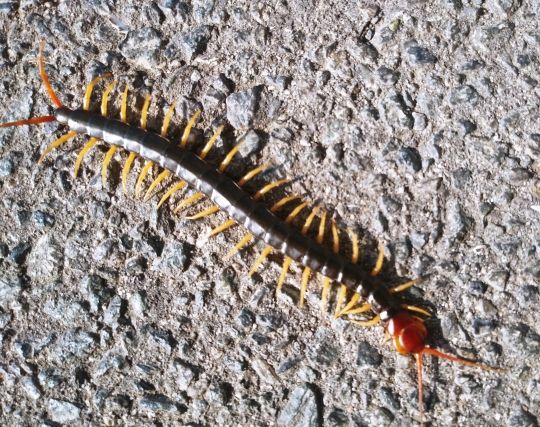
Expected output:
(288, 228)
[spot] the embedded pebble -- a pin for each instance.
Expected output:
(241, 107)
(418, 55)
(367, 355)
(157, 403)
(302, 408)
(6, 168)
(143, 47)
(62, 411)
(465, 94)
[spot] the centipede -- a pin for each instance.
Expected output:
(290, 228)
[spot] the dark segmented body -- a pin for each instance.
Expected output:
(236, 202)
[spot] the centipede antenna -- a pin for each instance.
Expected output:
(419, 368)
(441, 355)
(32, 121)
(189, 126)
(43, 74)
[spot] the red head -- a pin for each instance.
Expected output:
(408, 333)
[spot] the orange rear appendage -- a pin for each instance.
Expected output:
(43, 74)
(50, 92)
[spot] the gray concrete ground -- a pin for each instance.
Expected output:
(415, 122)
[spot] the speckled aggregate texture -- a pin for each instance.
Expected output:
(414, 122)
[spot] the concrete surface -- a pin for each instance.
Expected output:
(415, 122)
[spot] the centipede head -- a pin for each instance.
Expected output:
(409, 335)
(50, 91)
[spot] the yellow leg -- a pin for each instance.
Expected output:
(243, 242)
(140, 180)
(335, 237)
(264, 253)
(228, 158)
(404, 286)
(355, 247)
(144, 111)
(105, 98)
(132, 156)
(278, 205)
(123, 107)
(366, 323)
(222, 227)
(252, 173)
(204, 152)
(56, 144)
(194, 198)
(327, 284)
(189, 126)
(269, 187)
(126, 169)
(352, 302)
(167, 121)
(309, 220)
(416, 309)
(207, 212)
(295, 212)
(358, 310)
(322, 226)
(87, 147)
(342, 294)
(160, 178)
(303, 287)
(379, 263)
(174, 189)
(90, 88)
(284, 270)
(106, 161)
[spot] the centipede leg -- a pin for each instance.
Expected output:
(379, 263)
(112, 149)
(54, 145)
(264, 253)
